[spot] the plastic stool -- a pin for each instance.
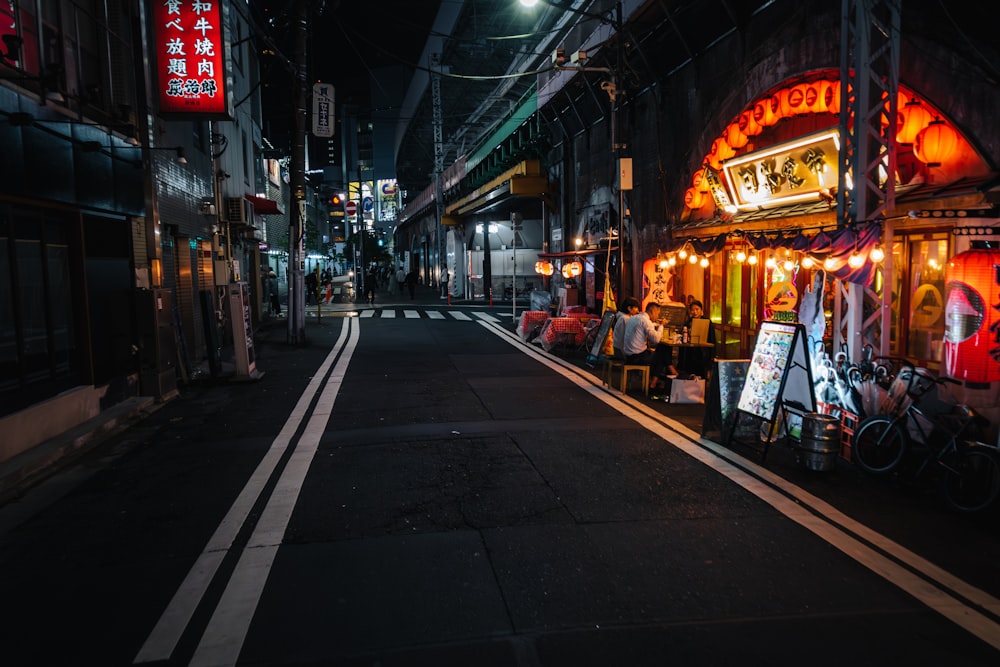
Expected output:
(611, 365)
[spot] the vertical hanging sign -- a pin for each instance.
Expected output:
(322, 115)
(192, 71)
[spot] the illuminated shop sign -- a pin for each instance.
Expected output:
(191, 73)
(786, 173)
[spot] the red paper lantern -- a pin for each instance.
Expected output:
(972, 315)
(935, 143)
(694, 199)
(915, 118)
(749, 124)
(812, 97)
(735, 137)
(699, 182)
(832, 96)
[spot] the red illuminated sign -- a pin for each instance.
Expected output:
(188, 36)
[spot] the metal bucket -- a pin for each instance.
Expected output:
(820, 441)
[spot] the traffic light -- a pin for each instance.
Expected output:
(335, 200)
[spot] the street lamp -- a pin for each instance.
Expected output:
(578, 64)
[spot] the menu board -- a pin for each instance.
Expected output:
(779, 366)
(602, 335)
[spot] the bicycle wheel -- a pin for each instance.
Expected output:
(970, 478)
(879, 445)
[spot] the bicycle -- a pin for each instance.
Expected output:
(912, 414)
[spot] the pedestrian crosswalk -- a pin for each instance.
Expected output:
(427, 314)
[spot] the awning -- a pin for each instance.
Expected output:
(263, 205)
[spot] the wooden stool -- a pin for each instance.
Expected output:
(643, 369)
(610, 365)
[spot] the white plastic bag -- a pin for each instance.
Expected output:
(687, 391)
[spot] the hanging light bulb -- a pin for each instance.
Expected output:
(692, 259)
(788, 265)
(830, 264)
(703, 262)
(662, 260)
(856, 260)
(877, 254)
(771, 263)
(752, 260)
(741, 256)
(808, 262)
(672, 261)
(683, 253)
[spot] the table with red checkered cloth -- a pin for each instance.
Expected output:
(529, 320)
(565, 330)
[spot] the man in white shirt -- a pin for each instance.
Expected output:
(641, 344)
(630, 306)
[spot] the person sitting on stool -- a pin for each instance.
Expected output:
(643, 333)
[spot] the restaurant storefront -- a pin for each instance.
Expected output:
(761, 236)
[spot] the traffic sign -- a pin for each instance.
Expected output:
(351, 208)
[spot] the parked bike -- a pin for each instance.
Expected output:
(914, 423)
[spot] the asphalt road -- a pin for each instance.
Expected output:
(426, 490)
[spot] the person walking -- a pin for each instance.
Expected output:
(400, 279)
(411, 282)
(272, 287)
(371, 283)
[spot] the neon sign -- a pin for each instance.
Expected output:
(191, 73)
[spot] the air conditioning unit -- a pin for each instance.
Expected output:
(236, 210)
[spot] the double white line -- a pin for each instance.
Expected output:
(222, 640)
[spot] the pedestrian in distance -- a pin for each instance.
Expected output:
(400, 279)
(371, 283)
(411, 282)
(272, 287)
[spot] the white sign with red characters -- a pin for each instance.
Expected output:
(191, 71)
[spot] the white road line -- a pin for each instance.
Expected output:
(388, 314)
(223, 638)
(919, 576)
(168, 630)
(459, 315)
(435, 315)
(411, 314)
(486, 317)
(367, 313)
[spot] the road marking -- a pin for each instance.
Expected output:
(226, 631)
(459, 315)
(411, 314)
(388, 314)
(435, 315)
(935, 587)
(367, 313)
(487, 317)
(168, 630)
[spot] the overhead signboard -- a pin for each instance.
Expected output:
(190, 56)
(800, 170)
(322, 111)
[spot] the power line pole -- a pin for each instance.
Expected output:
(438, 155)
(297, 183)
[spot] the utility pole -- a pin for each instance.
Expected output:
(297, 183)
(438, 155)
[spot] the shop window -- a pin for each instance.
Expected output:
(920, 263)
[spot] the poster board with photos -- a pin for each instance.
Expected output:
(779, 367)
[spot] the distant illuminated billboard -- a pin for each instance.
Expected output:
(190, 59)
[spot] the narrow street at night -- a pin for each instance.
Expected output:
(416, 486)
